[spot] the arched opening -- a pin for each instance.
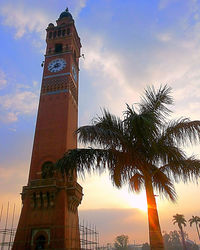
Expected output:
(63, 33)
(47, 170)
(48, 199)
(40, 242)
(68, 31)
(59, 32)
(41, 199)
(58, 47)
(50, 35)
(34, 200)
(54, 34)
(74, 55)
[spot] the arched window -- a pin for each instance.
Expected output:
(58, 47)
(74, 55)
(40, 242)
(47, 170)
(34, 200)
(48, 199)
(54, 34)
(49, 50)
(41, 199)
(63, 33)
(50, 35)
(59, 32)
(68, 31)
(67, 47)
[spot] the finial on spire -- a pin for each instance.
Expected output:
(66, 13)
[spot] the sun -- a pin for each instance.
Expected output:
(135, 200)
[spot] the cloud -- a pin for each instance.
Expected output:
(106, 67)
(3, 80)
(164, 3)
(8, 117)
(164, 37)
(22, 101)
(24, 19)
(19, 103)
(78, 5)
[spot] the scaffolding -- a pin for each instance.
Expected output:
(89, 237)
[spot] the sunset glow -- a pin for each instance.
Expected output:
(135, 200)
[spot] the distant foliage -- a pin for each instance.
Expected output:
(172, 241)
(121, 242)
(145, 246)
(196, 221)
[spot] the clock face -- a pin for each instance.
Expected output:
(74, 72)
(56, 65)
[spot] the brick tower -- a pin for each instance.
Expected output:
(49, 216)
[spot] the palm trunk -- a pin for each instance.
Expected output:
(197, 230)
(155, 236)
(183, 238)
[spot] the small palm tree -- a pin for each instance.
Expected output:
(142, 149)
(196, 220)
(180, 220)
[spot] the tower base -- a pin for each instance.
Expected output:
(49, 216)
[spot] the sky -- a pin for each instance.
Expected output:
(127, 45)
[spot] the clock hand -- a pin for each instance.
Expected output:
(56, 65)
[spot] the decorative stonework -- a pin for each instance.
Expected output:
(74, 192)
(42, 193)
(54, 84)
(42, 199)
(57, 84)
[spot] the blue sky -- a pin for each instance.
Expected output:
(128, 44)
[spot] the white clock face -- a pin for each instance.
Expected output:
(56, 65)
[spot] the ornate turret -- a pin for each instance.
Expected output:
(65, 14)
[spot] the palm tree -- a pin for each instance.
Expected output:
(141, 149)
(180, 220)
(196, 220)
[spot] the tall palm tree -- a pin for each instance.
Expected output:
(180, 220)
(141, 149)
(196, 220)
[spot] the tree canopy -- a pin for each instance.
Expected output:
(143, 149)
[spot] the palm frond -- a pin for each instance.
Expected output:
(163, 184)
(136, 182)
(182, 131)
(162, 152)
(141, 129)
(185, 169)
(119, 164)
(84, 160)
(125, 166)
(179, 219)
(194, 219)
(106, 131)
(156, 101)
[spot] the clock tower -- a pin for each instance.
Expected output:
(49, 216)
